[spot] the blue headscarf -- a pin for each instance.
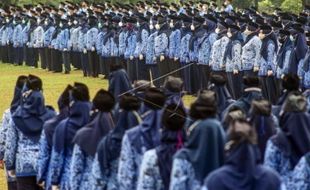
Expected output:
(204, 148)
(50, 125)
(148, 130)
(299, 53)
(79, 115)
(288, 45)
(30, 116)
(109, 148)
(119, 83)
(89, 136)
(16, 99)
(242, 171)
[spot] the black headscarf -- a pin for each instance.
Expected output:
(234, 39)
(17, 93)
(287, 45)
(299, 53)
(265, 43)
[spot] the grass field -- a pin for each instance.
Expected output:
(53, 85)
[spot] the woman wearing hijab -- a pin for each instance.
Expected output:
(217, 61)
(119, 81)
(23, 135)
(304, 68)
(250, 50)
(205, 44)
(46, 140)
(173, 89)
(62, 150)
(105, 165)
(87, 139)
(263, 121)
(223, 97)
(140, 139)
(157, 163)
(5, 124)
(232, 58)
(204, 150)
(267, 67)
(292, 142)
(283, 57)
(242, 170)
(298, 54)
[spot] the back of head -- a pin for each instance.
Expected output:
(290, 82)
(251, 82)
(261, 107)
(103, 101)
(241, 131)
(295, 102)
(154, 98)
(173, 84)
(80, 92)
(64, 99)
(218, 80)
(234, 113)
(20, 82)
(205, 105)
(34, 83)
(129, 102)
(174, 117)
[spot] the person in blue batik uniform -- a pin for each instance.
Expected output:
(303, 68)
(140, 139)
(174, 45)
(17, 42)
(267, 67)
(283, 57)
(161, 46)
(141, 44)
(91, 37)
(224, 99)
(63, 45)
(9, 40)
(131, 43)
(217, 62)
(264, 122)
(48, 34)
(46, 140)
(205, 44)
(300, 175)
(23, 135)
(300, 48)
(157, 163)
(204, 150)
(232, 58)
(250, 50)
(102, 31)
(186, 35)
(87, 139)
(5, 124)
(62, 150)
(292, 142)
(105, 165)
(242, 169)
(82, 47)
(39, 41)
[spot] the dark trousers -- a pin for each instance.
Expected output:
(12, 185)
(93, 63)
(75, 59)
(18, 55)
(11, 54)
(203, 75)
(66, 61)
(27, 183)
(48, 58)
(31, 57)
(56, 60)
(132, 70)
(4, 54)
(42, 55)
(85, 65)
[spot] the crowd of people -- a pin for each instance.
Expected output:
(248, 127)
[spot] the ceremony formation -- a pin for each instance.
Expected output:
(246, 73)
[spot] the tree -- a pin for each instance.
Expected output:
(294, 6)
(265, 6)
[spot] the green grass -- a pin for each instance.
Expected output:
(53, 85)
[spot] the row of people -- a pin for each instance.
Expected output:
(186, 40)
(146, 138)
